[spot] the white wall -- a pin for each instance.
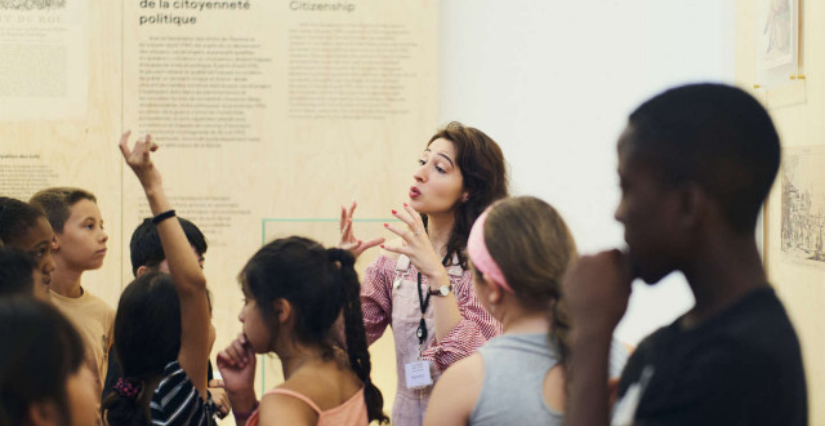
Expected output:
(554, 81)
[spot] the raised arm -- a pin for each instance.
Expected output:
(348, 240)
(183, 265)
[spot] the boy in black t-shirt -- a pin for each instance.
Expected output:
(695, 165)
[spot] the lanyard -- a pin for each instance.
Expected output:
(423, 303)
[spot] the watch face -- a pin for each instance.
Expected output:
(444, 290)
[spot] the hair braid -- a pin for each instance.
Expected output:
(356, 336)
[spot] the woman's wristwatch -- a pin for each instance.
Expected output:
(442, 291)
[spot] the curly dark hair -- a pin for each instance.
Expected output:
(16, 218)
(16, 268)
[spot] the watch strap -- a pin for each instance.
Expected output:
(440, 291)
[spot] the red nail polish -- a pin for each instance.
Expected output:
(386, 225)
(382, 246)
(394, 212)
(405, 205)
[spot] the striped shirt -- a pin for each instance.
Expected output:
(176, 401)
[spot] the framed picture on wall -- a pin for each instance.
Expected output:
(776, 37)
(796, 225)
(777, 42)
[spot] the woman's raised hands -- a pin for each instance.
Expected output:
(348, 240)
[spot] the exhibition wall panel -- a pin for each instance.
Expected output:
(60, 119)
(264, 110)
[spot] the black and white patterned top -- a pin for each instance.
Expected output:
(176, 401)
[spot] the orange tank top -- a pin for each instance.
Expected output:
(353, 412)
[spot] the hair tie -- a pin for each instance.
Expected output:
(128, 389)
(340, 257)
(480, 256)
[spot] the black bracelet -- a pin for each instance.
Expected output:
(163, 216)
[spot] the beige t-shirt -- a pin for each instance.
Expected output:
(94, 320)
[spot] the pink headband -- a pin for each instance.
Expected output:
(477, 249)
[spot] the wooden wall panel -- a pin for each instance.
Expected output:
(82, 150)
(281, 110)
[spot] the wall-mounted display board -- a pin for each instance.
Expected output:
(795, 212)
(281, 109)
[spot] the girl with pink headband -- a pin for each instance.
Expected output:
(420, 285)
(519, 250)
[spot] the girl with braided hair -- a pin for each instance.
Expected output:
(294, 290)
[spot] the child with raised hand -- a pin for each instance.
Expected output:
(519, 250)
(294, 289)
(146, 253)
(79, 246)
(163, 334)
(25, 227)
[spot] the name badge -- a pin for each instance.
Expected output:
(418, 374)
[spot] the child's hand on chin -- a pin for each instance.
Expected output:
(237, 365)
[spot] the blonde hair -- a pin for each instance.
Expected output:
(532, 245)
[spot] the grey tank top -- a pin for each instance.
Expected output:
(514, 370)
